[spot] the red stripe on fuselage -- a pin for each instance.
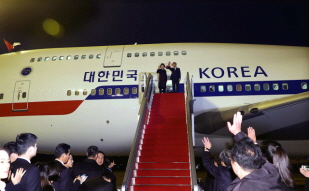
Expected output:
(41, 108)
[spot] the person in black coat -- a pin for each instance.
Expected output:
(89, 166)
(176, 75)
(222, 173)
(162, 78)
(27, 147)
(101, 183)
(109, 163)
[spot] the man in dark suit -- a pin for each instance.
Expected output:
(100, 183)
(175, 77)
(89, 166)
(26, 148)
(65, 183)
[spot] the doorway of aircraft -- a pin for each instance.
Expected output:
(113, 56)
(21, 94)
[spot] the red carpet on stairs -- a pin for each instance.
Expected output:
(163, 162)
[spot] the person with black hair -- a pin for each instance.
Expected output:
(65, 183)
(26, 146)
(109, 163)
(100, 158)
(162, 78)
(10, 147)
(89, 166)
(176, 75)
(247, 161)
(100, 183)
(49, 174)
(222, 173)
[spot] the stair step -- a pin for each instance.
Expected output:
(164, 159)
(161, 188)
(170, 165)
(152, 152)
(163, 180)
(162, 173)
(166, 141)
(150, 135)
(163, 146)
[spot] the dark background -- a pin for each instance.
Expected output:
(120, 22)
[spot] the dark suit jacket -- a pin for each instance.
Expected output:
(11, 187)
(89, 167)
(176, 74)
(96, 184)
(222, 175)
(31, 179)
(65, 183)
(113, 178)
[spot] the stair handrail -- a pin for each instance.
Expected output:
(190, 127)
(143, 119)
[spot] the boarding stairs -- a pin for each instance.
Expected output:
(162, 156)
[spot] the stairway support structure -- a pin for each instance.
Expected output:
(143, 115)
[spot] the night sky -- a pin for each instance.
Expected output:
(107, 22)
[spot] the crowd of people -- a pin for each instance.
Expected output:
(18, 174)
(256, 167)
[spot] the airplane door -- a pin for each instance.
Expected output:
(21, 95)
(113, 56)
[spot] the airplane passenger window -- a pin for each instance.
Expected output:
(76, 92)
(69, 57)
(276, 86)
(24, 95)
(257, 87)
(76, 57)
(84, 56)
(46, 59)
(160, 53)
(229, 88)
(118, 92)
(184, 52)
(54, 58)
(85, 92)
(61, 57)
(136, 54)
(152, 54)
(93, 92)
(32, 59)
(238, 87)
(1, 96)
(39, 59)
(129, 55)
(90, 56)
(126, 91)
(211, 88)
(98, 56)
(203, 88)
(69, 93)
(248, 87)
(144, 54)
(220, 88)
(134, 90)
(266, 87)
(285, 86)
(176, 53)
(101, 91)
(109, 91)
(168, 53)
(304, 85)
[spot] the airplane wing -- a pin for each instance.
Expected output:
(285, 118)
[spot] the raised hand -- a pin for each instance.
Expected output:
(236, 126)
(304, 172)
(251, 134)
(206, 142)
(16, 178)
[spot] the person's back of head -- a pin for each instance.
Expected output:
(92, 152)
(275, 154)
(10, 147)
(62, 152)
(24, 142)
(225, 157)
(49, 172)
(53, 171)
(247, 155)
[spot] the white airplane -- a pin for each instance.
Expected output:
(90, 95)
